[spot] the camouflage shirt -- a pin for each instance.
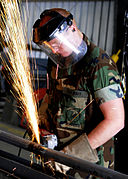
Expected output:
(76, 93)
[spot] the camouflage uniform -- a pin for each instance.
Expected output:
(94, 77)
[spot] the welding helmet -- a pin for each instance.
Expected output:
(54, 35)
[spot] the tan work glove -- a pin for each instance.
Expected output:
(61, 168)
(81, 148)
(78, 148)
(56, 167)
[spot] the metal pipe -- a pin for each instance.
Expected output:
(62, 158)
(15, 166)
(16, 170)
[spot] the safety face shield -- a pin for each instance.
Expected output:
(62, 45)
(64, 50)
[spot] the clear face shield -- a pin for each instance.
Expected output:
(64, 46)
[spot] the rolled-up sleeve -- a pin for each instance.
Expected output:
(108, 93)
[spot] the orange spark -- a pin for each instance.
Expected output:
(14, 35)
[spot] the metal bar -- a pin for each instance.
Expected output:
(20, 160)
(16, 169)
(101, 14)
(17, 165)
(93, 21)
(60, 157)
(108, 19)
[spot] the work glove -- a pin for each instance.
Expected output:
(61, 168)
(81, 148)
(78, 148)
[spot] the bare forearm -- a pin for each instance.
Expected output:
(113, 122)
(103, 132)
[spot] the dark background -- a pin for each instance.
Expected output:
(121, 142)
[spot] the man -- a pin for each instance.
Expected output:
(83, 105)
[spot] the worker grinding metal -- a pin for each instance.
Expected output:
(83, 105)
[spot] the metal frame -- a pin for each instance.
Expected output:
(71, 161)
